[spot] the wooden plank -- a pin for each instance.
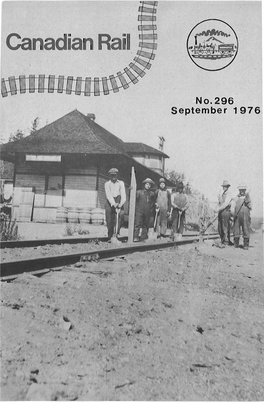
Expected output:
(22, 195)
(44, 214)
(26, 198)
(132, 206)
(24, 212)
(39, 200)
(53, 200)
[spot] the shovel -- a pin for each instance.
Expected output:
(211, 222)
(178, 236)
(114, 237)
(179, 219)
(202, 232)
(155, 220)
(153, 234)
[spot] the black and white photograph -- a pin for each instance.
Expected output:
(131, 201)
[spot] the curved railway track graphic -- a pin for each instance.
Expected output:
(96, 86)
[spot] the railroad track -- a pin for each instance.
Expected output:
(96, 86)
(39, 266)
(58, 241)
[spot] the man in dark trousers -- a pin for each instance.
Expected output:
(242, 207)
(115, 199)
(163, 203)
(179, 203)
(145, 200)
(224, 213)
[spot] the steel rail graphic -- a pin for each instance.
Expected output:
(96, 86)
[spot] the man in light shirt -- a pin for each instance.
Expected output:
(115, 199)
(224, 213)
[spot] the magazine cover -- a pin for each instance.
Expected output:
(131, 200)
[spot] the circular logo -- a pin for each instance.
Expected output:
(212, 45)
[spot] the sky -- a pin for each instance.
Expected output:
(206, 148)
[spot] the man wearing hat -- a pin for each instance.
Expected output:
(163, 204)
(179, 203)
(242, 207)
(224, 213)
(115, 199)
(145, 200)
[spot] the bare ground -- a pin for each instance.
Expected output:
(185, 323)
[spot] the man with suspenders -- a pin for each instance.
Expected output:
(115, 199)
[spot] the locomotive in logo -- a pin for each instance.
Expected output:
(212, 45)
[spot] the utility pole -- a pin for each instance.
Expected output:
(132, 206)
(161, 143)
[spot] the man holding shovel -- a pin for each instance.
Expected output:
(163, 208)
(115, 199)
(145, 200)
(242, 207)
(179, 203)
(224, 213)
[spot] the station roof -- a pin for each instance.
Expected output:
(76, 133)
(141, 148)
(73, 133)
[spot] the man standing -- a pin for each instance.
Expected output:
(163, 203)
(145, 200)
(115, 199)
(242, 207)
(224, 213)
(180, 204)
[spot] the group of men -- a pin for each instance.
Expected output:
(158, 205)
(234, 211)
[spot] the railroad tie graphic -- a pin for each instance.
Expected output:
(96, 86)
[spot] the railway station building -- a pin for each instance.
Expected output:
(65, 164)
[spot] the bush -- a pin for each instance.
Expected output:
(8, 228)
(75, 229)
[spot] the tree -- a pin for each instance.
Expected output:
(34, 126)
(177, 177)
(6, 169)
(18, 135)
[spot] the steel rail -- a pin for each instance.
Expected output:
(54, 241)
(12, 268)
(58, 241)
